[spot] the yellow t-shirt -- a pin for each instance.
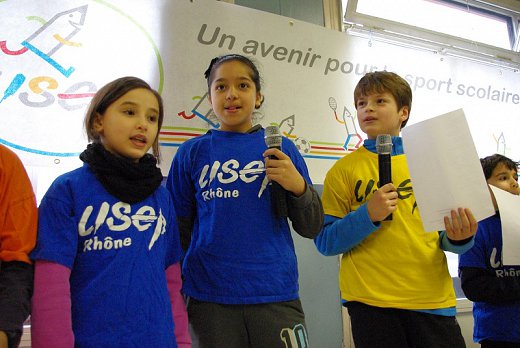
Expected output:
(400, 265)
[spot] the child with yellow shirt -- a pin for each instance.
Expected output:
(394, 278)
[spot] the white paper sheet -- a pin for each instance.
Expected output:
(445, 169)
(509, 206)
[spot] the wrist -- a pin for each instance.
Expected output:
(8, 339)
(3, 340)
(302, 187)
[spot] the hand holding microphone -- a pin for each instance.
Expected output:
(273, 139)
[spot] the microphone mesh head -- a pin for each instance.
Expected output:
(384, 144)
(272, 136)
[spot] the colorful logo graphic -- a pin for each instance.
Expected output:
(52, 65)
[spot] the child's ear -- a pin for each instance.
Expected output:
(259, 100)
(98, 123)
(405, 113)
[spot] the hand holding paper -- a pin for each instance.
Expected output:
(440, 153)
(462, 224)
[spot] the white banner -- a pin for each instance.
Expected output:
(55, 54)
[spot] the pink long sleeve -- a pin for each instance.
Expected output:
(51, 318)
(180, 316)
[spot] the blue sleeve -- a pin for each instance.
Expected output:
(57, 239)
(182, 191)
(180, 185)
(339, 235)
(479, 254)
(446, 245)
(174, 251)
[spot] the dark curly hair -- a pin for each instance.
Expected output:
(489, 163)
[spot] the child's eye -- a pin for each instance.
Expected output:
(220, 87)
(361, 103)
(153, 118)
(380, 101)
(243, 85)
(129, 112)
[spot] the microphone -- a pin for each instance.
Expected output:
(273, 139)
(384, 150)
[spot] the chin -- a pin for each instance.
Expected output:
(135, 156)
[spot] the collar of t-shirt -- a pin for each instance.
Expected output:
(397, 148)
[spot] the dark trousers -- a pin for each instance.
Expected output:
(374, 327)
(279, 324)
(497, 344)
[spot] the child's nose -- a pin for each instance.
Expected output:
(231, 93)
(142, 123)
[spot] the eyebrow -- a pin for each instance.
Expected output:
(131, 103)
(246, 78)
(506, 172)
(128, 102)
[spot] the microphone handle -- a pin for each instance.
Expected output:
(385, 173)
(278, 198)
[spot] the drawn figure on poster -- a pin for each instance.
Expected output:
(206, 116)
(354, 139)
(287, 126)
(46, 41)
(55, 34)
(350, 126)
(15, 84)
(501, 144)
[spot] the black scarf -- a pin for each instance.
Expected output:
(129, 181)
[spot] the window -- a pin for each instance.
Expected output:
(453, 19)
(486, 31)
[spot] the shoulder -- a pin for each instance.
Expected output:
(198, 139)
(77, 179)
(15, 184)
(194, 144)
(74, 175)
(6, 153)
(489, 226)
(354, 158)
(9, 161)
(351, 165)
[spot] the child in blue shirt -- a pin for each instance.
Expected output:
(107, 256)
(492, 286)
(240, 270)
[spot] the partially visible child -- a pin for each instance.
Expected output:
(18, 222)
(240, 270)
(394, 278)
(107, 257)
(492, 286)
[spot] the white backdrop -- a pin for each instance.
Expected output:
(55, 54)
